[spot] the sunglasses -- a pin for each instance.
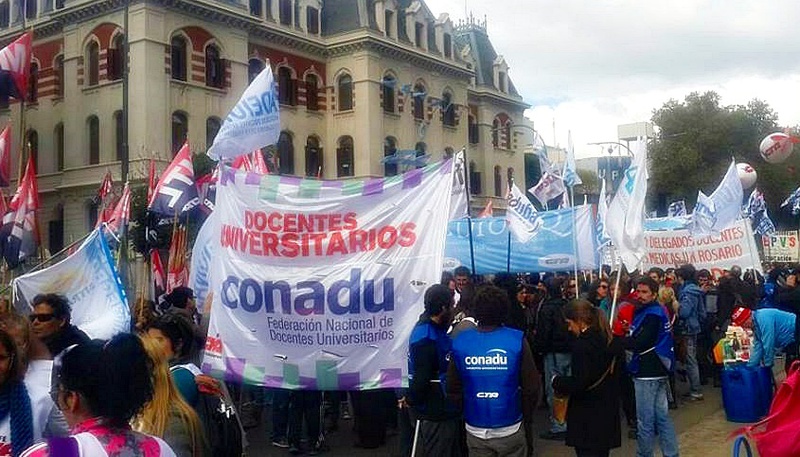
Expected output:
(602, 286)
(42, 317)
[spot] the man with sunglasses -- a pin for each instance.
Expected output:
(50, 322)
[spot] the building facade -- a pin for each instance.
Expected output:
(358, 80)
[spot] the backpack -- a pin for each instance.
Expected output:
(217, 415)
(778, 435)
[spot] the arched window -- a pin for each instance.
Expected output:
(180, 130)
(498, 181)
(345, 92)
(91, 214)
(93, 134)
(389, 149)
(93, 59)
(254, 68)
(287, 91)
(59, 74)
(312, 92)
(5, 14)
(419, 95)
(314, 162)
(285, 12)
(215, 71)
(389, 84)
(118, 133)
(178, 58)
(32, 138)
(474, 179)
(114, 58)
(496, 133)
(58, 136)
(507, 134)
(344, 157)
(448, 110)
(474, 137)
(213, 125)
(33, 83)
(285, 153)
(312, 20)
(421, 149)
(31, 9)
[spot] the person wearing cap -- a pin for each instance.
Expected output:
(772, 329)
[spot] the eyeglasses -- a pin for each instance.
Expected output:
(603, 286)
(42, 317)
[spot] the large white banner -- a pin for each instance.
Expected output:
(734, 245)
(90, 282)
(781, 247)
(317, 284)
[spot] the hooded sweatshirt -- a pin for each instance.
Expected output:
(692, 310)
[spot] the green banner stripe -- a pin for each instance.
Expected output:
(327, 375)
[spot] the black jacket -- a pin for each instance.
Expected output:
(68, 336)
(552, 335)
(643, 339)
(593, 415)
(729, 291)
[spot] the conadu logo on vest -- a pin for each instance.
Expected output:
(495, 359)
(487, 395)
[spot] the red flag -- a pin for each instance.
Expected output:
(106, 187)
(177, 267)
(259, 165)
(243, 162)
(151, 180)
(19, 235)
(16, 59)
(488, 211)
(118, 220)
(3, 203)
(5, 157)
(158, 274)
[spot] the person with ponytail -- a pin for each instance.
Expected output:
(168, 415)
(16, 415)
(100, 386)
(593, 412)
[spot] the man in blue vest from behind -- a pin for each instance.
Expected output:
(439, 424)
(493, 375)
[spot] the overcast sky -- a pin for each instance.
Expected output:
(590, 65)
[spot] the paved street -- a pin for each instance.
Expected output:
(702, 429)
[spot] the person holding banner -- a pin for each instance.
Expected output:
(438, 424)
(492, 374)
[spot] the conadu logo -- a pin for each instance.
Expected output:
(493, 360)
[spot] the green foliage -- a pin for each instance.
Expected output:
(696, 140)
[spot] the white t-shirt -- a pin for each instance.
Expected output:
(37, 382)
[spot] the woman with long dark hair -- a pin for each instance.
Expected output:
(16, 415)
(593, 416)
(100, 387)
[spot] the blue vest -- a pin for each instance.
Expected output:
(664, 348)
(489, 367)
(429, 331)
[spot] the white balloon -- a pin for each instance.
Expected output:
(776, 147)
(747, 175)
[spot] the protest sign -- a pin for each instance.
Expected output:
(781, 247)
(90, 282)
(318, 284)
(550, 248)
(734, 245)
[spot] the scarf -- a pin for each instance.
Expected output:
(14, 400)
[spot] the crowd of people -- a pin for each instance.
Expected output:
(484, 355)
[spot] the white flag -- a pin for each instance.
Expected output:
(602, 210)
(625, 217)
(549, 187)
(522, 218)
(458, 202)
(253, 123)
(570, 174)
(716, 213)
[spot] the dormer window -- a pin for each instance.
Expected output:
(389, 23)
(500, 68)
(419, 34)
(448, 46)
(502, 82)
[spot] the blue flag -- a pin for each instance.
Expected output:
(794, 200)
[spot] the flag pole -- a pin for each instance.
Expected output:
(508, 251)
(125, 159)
(574, 238)
(468, 189)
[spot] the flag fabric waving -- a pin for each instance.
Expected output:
(521, 216)
(19, 234)
(549, 187)
(571, 178)
(794, 200)
(253, 123)
(488, 211)
(5, 157)
(602, 210)
(726, 208)
(175, 192)
(756, 211)
(16, 60)
(118, 220)
(626, 213)
(676, 209)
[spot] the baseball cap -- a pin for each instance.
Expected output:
(740, 316)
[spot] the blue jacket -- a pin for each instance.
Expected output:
(772, 328)
(692, 311)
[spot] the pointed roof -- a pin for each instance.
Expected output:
(473, 34)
